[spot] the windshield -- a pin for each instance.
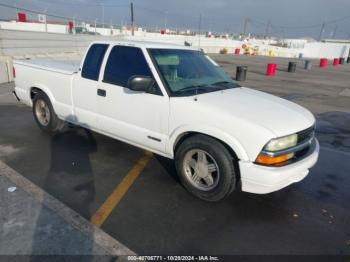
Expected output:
(188, 72)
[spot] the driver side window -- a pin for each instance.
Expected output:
(125, 62)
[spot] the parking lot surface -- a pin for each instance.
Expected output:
(30, 227)
(151, 213)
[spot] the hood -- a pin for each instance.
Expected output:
(278, 115)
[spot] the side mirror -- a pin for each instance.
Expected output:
(140, 83)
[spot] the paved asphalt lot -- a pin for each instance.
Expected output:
(157, 216)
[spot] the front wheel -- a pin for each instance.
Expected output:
(206, 168)
(44, 114)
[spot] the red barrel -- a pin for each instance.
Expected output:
(271, 69)
(70, 25)
(323, 62)
(237, 51)
(336, 61)
(22, 17)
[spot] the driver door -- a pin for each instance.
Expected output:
(138, 118)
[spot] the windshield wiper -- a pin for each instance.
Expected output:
(232, 84)
(221, 82)
(193, 87)
(201, 87)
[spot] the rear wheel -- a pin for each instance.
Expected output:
(44, 114)
(206, 168)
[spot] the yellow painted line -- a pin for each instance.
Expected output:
(112, 201)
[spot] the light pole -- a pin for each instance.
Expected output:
(132, 18)
(334, 31)
(245, 27)
(199, 30)
(45, 17)
(267, 30)
(103, 15)
(321, 32)
(165, 19)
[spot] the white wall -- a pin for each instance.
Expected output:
(209, 45)
(27, 43)
(180, 39)
(15, 43)
(68, 42)
(24, 42)
(294, 43)
(103, 31)
(35, 27)
(326, 50)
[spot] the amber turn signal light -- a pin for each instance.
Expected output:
(272, 160)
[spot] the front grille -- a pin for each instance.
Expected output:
(299, 155)
(306, 134)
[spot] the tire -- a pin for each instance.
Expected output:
(222, 182)
(44, 114)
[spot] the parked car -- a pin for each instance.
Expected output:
(177, 102)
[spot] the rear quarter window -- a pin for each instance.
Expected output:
(93, 61)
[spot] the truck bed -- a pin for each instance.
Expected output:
(54, 77)
(67, 67)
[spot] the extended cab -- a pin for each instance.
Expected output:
(176, 102)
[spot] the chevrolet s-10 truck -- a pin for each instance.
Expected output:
(175, 101)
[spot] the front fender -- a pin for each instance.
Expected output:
(217, 133)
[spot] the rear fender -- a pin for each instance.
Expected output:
(46, 90)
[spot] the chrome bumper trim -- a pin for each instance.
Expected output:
(293, 149)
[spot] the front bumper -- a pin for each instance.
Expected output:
(262, 179)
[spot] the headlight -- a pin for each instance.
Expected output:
(277, 144)
(281, 143)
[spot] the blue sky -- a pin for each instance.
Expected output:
(291, 18)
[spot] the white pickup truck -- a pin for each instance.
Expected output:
(176, 102)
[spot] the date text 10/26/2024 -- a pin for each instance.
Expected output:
(173, 258)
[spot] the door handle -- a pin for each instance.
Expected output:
(101, 92)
